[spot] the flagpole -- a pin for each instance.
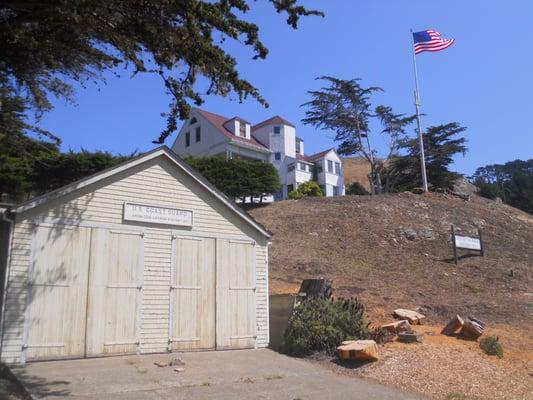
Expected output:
(418, 123)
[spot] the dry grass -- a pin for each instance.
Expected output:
(356, 170)
(360, 243)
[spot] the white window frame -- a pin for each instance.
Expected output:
(330, 163)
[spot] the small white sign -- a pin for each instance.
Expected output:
(467, 242)
(157, 215)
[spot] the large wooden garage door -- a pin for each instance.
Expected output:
(115, 285)
(85, 292)
(192, 324)
(235, 294)
(56, 304)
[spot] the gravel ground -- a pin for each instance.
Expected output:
(452, 369)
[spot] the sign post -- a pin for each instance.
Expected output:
(465, 242)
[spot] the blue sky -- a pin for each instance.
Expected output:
(484, 81)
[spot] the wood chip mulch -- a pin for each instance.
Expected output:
(450, 369)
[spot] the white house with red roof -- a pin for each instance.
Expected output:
(273, 140)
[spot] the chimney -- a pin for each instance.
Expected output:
(299, 146)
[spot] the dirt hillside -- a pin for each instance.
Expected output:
(356, 169)
(394, 251)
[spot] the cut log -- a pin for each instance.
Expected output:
(453, 326)
(359, 350)
(316, 288)
(161, 364)
(413, 317)
(407, 337)
(477, 321)
(397, 327)
(471, 329)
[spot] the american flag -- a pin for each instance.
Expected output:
(430, 40)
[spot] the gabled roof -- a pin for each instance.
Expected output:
(238, 119)
(157, 152)
(272, 121)
(317, 156)
(303, 158)
(218, 122)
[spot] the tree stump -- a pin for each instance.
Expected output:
(453, 326)
(316, 288)
(472, 329)
(413, 317)
(397, 327)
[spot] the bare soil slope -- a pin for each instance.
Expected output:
(356, 169)
(395, 251)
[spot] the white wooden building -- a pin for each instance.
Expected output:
(144, 257)
(273, 140)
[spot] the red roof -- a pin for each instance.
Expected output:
(272, 121)
(300, 157)
(218, 122)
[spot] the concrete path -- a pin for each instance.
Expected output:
(239, 374)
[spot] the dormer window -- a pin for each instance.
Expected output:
(277, 130)
(193, 121)
(242, 130)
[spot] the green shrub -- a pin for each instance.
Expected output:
(491, 346)
(295, 195)
(311, 189)
(321, 325)
(306, 189)
(237, 177)
(355, 188)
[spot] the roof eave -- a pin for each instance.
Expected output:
(250, 146)
(162, 150)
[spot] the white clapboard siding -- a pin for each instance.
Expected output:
(261, 295)
(155, 182)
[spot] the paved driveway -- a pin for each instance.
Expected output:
(239, 374)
